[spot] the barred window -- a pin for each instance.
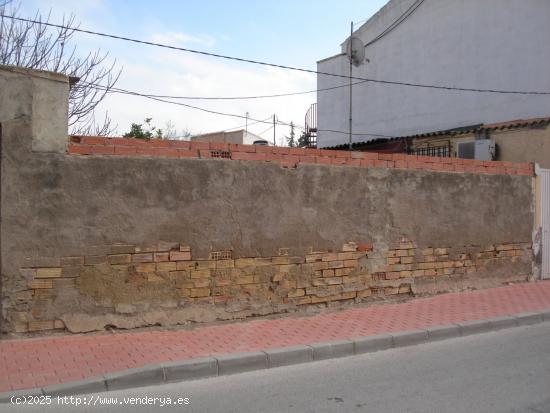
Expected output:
(439, 151)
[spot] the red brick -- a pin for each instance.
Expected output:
(297, 151)
(368, 163)
(399, 156)
(180, 144)
(180, 255)
(159, 143)
(353, 162)
(200, 145)
(524, 172)
(380, 164)
(337, 161)
(264, 149)
(166, 152)
(205, 153)
(329, 153)
(323, 160)
(80, 149)
(94, 140)
(272, 157)
(281, 150)
(144, 151)
(428, 159)
(125, 150)
(103, 150)
(385, 156)
(400, 164)
(313, 151)
(130, 142)
(525, 166)
(219, 146)
(245, 156)
(307, 159)
(370, 155)
(343, 154)
(242, 148)
(183, 153)
(364, 247)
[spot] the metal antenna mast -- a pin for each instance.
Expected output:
(350, 85)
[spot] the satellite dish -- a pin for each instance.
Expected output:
(355, 49)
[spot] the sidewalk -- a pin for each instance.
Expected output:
(31, 363)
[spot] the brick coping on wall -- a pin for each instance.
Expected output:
(284, 156)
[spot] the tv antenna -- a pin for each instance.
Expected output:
(355, 49)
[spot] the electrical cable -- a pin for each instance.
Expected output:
(214, 112)
(397, 22)
(249, 97)
(200, 52)
(267, 130)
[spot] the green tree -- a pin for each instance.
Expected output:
(303, 140)
(138, 131)
(291, 140)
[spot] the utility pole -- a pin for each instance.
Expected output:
(274, 142)
(350, 85)
(246, 125)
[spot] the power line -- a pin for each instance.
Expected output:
(388, 82)
(267, 130)
(248, 97)
(391, 26)
(398, 21)
(214, 112)
(249, 124)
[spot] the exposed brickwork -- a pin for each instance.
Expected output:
(286, 157)
(227, 285)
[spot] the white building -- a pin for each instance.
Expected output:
(476, 44)
(239, 136)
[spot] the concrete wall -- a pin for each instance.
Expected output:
(489, 44)
(522, 145)
(100, 240)
(514, 145)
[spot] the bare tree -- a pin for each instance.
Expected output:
(38, 46)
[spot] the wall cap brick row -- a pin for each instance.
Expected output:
(286, 157)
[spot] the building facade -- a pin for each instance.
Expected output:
(239, 136)
(489, 44)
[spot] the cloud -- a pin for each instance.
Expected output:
(177, 73)
(178, 38)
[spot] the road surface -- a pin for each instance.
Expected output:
(503, 371)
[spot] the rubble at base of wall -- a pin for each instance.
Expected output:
(128, 286)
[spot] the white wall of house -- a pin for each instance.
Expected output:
(483, 44)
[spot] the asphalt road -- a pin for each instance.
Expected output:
(504, 371)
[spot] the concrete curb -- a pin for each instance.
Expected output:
(199, 368)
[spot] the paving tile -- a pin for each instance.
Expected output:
(39, 362)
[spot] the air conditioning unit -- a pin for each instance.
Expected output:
(482, 149)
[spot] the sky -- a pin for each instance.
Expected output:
(294, 33)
